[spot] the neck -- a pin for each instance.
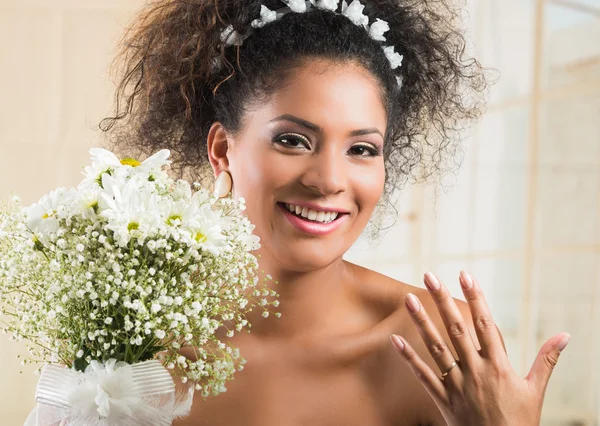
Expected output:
(311, 303)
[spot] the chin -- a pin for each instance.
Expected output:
(308, 255)
(305, 265)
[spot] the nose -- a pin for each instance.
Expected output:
(326, 172)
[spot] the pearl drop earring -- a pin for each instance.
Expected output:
(223, 184)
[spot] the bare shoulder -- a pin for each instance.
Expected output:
(405, 399)
(387, 296)
(379, 290)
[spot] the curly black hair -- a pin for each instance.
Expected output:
(169, 93)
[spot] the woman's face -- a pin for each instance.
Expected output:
(317, 145)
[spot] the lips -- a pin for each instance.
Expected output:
(312, 215)
(311, 227)
(316, 207)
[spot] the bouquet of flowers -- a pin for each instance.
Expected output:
(109, 281)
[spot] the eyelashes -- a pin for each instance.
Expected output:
(297, 141)
(373, 150)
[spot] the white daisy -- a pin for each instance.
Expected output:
(231, 37)
(178, 213)
(181, 190)
(154, 163)
(129, 208)
(298, 6)
(326, 4)
(354, 12)
(377, 29)
(400, 81)
(394, 58)
(88, 203)
(266, 15)
(206, 229)
(103, 161)
(43, 217)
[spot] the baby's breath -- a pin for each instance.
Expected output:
(114, 269)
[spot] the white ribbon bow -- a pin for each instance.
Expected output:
(111, 394)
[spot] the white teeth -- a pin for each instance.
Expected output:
(313, 215)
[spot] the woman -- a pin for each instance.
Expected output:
(315, 112)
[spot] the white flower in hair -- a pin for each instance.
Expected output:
(266, 16)
(326, 4)
(399, 80)
(216, 64)
(377, 29)
(298, 6)
(394, 58)
(354, 12)
(231, 37)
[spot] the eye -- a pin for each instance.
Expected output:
(293, 140)
(365, 150)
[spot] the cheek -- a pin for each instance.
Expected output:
(369, 188)
(255, 174)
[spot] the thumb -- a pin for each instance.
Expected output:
(546, 360)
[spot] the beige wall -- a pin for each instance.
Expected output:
(54, 89)
(523, 214)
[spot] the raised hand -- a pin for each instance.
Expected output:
(480, 388)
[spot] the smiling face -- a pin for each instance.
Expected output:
(315, 145)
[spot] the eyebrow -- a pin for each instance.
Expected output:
(317, 129)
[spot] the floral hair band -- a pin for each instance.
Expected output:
(354, 12)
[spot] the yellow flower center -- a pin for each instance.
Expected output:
(200, 237)
(94, 206)
(133, 226)
(130, 162)
(46, 216)
(173, 218)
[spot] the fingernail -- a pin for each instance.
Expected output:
(413, 302)
(398, 344)
(465, 280)
(431, 282)
(563, 342)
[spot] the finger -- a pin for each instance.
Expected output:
(453, 319)
(432, 383)
(546, 360)
(487, 333)
(435, 343)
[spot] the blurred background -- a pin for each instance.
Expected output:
(523, 214)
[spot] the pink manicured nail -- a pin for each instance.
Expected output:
(413, 302)
(563, 342)
(398, 344)
(465, 280)
(431, 282)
